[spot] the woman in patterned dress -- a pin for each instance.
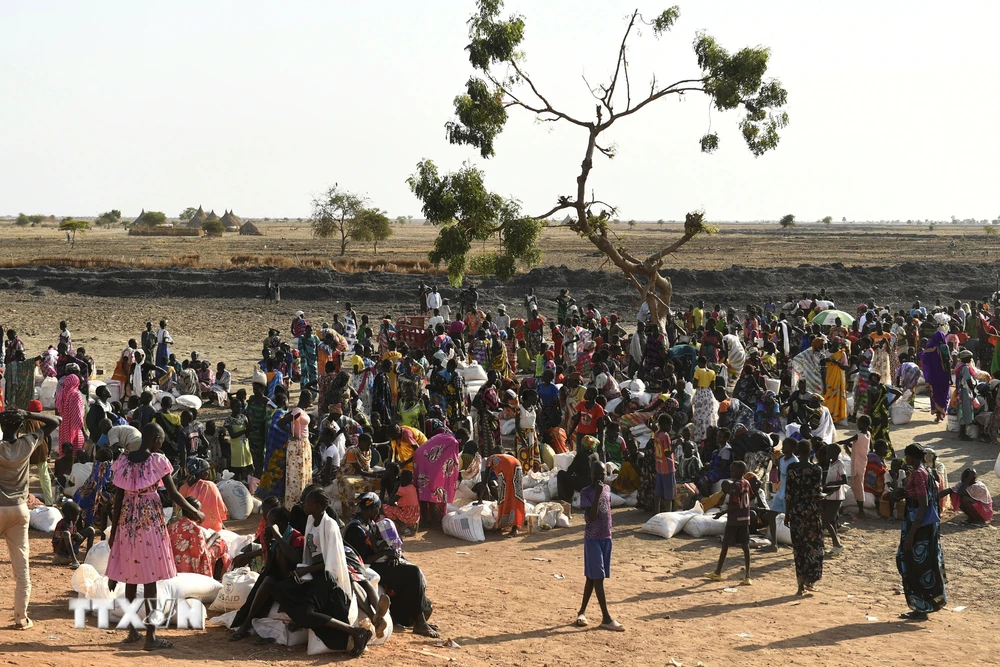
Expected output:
(193, 552)
(510, 498)
(804, 517)
(140, 546)
(435, 470)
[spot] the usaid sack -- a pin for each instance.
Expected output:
(236, 587)
(237, 499)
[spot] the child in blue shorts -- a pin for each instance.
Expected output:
(595, 500)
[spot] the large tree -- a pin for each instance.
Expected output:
(501, 82)
(73, 226)
(333, 212)
(371, 225)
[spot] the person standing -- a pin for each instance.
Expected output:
(15, 453)
(595, 500)
(140, 546)
(309, 354)
(163, 343)
(148, 340)
(804, 517)
(919, 559)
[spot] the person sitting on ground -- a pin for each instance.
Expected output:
(972, 497)
(628, 480)
(207, 494)
(193, 552)
(282, 548)
(689, 465)
(403, 506)
(69, 534)
(64, 465)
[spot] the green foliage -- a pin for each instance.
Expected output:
(492, 40)
(22, 220)
(787, 221)
(74, 226)
(332, 213)
(188, 213)
(710, 142)
(990, 230)
(370, 225)
(694, 224)
(109, 218)
(737, 79)
(214, 227)
(828, 220)
(467, 212)
(151, 219)
(481, 117)
(631, 224)
(665, 21)
(930, 227)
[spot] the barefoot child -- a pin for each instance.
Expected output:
(857, 447)
(595, 500)
(737, 520)
(403, 506)
(69, 535)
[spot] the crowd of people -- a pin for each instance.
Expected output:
(737, 411)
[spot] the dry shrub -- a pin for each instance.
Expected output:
(267, 261)
(314, 263)
(192, 260)
(165, 231)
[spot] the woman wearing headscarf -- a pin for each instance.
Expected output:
(804, 516)
(919, 558)
(936, 363)
(70, 406)
(835, 392)
(436, 467)
(497, 360)
(487, 403)
(878, 408)
(965, 390)
(272, 481)
(403, 581)
(206, 493)
(736, 357)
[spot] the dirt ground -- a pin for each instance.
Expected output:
(502, 606)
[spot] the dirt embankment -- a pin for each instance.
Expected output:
(899, 284)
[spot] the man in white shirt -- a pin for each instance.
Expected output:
(435, 320)
(503, 319)
(433, 299)
(445, 311)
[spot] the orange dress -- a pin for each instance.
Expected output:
(211, 501)
(510, 503)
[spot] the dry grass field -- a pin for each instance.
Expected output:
(290, 244)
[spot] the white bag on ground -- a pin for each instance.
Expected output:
(564, 460)
(194, 586)
(270, 628)
(98, 557)
(704, 526)
(236, 587)
(668, 524)
(225, 620)
(237, 498)
(465, 524)
(44, 518)
(617, 501)
(474, 372)
(465, 492)
(189, 401)
(901, 412)
(537, 494)
(783, 532)
(235, 542)
(634, 387)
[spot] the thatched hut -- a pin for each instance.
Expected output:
(250, 229)
(198, 219)
(211, 216)
(138, 221)
(232, 221)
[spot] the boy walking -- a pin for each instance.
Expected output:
(737, 520)
(595, 500)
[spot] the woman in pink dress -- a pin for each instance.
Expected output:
(70, 406)
(140, 546)
(435, 469)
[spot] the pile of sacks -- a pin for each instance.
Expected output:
(698, 523)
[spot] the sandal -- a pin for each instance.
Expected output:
(581, 621)
(614, 626)
(360, 643)
(427, 631)
(159, 643)
(914, 616)
(713, 576)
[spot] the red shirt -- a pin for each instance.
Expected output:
(588, 418)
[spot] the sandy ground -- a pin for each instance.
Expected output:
(505, 608)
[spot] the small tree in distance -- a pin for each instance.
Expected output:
(187, 213)
(152, 219)
(990, 230)
(214, 227)
(787, 221)
(332, 213)
(371, 225)
(828, 220)
(73, 226)
(109, 218)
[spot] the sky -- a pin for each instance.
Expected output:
(258, 106)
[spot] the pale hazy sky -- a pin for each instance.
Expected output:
(255, 106)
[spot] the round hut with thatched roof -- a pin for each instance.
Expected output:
(138, 221)
(232, 221)
(198, 219)
(250, 229)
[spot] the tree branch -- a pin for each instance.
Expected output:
(609, 95)
(655, 258)
(548, 107)
(610, 154)
(651, 98)
(564, 203)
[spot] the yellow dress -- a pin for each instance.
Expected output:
(835, 392)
